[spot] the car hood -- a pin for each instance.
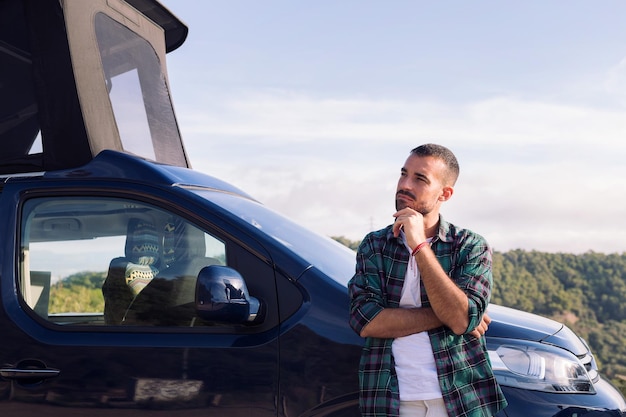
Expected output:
(509, 323)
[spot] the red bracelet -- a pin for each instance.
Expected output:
(418, 247)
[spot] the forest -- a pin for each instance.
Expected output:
(586, 292)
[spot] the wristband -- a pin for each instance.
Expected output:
(419, 247)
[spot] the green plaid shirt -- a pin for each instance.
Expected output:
(465, 376)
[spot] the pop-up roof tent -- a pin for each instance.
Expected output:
(78, 77)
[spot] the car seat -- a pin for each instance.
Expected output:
(129, 275)
(169, 299)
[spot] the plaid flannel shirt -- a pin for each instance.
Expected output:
(467, 382)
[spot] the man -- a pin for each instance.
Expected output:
(419, 296)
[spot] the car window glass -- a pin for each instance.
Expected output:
(111, 261)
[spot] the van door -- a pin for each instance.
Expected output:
(73, 342)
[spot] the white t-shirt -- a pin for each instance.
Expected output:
(413, 354)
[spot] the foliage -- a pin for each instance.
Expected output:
(352, 244)
(80, 292)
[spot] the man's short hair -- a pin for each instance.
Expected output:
(443, 153)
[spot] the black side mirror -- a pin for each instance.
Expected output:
(222, 296)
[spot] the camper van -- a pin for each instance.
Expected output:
(131, 284)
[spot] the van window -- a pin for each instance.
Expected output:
(138, 92)
(111, 261)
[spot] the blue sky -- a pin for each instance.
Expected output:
(312, 107)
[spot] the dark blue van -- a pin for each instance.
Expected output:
(132, 285)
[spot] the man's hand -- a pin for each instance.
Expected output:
(412, 222)
(482, 327)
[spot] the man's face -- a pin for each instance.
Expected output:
(421, 184)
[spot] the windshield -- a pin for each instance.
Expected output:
(332, 258)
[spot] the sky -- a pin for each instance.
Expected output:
(313, 107)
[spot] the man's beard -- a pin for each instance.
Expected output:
(401, 204)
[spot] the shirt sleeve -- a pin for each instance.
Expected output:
(473, 275)
(365, 289)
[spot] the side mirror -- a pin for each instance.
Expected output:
(222, 296)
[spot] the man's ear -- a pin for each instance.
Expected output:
(446, 193)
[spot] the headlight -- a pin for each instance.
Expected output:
(540, 368)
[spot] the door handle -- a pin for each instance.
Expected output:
(28, 374)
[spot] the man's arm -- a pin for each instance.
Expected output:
(398, 322)
(447, 300)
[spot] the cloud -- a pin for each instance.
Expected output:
(535, 175)
(616, 80)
